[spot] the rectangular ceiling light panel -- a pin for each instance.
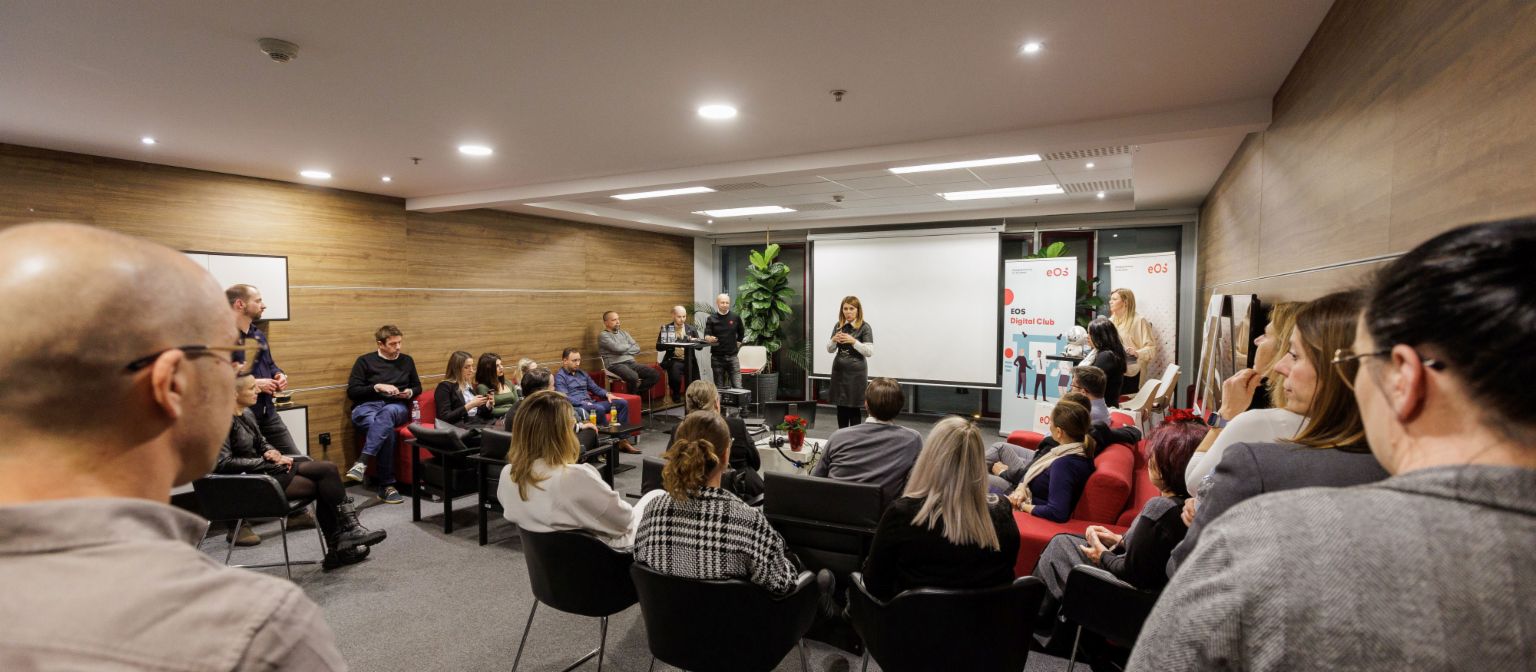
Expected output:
(744, 212)
(663, 192)
(1000, 161)
(1011, 192)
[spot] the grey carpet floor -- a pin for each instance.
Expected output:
(425, 600)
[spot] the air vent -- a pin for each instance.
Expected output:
(815, 207)
(1087, 153)
(1096, 186)
(739, 186)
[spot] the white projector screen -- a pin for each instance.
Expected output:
(931, 297)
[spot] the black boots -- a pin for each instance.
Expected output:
(350, 534)
(336, 559)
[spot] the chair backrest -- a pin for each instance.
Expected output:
(722, 625)
(1170, 383)
(931, 629)
(807, 410)
(1108, 488)
(1144, 396)
(577, 573)
(827, 523)
(495, 444)
(435, 439)
(236, 496)
(752, 357)
(773, 413)
(650, 473)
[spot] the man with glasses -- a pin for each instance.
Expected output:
(382, 384)
(96, 569)
(246, 304)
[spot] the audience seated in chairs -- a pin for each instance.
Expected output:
(491, 380)
(1048, 484)
(246, 451)
(382, 385)
(876, 450)
(696, 530)
(617, 349)
(1090, 382)
(1432, 564)
(1140, 556)
(538, 379)
(945, 531)
(743, 477)
(1009, 463)
(1108, 356)
(543, 489)
(587, 396)
(1330, 451)
(457, 402)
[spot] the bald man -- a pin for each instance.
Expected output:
(724, 332)
(117, 383)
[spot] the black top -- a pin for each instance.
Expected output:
(1114, 372)
(905, 556)
(371, 369)
(1141, 559)
(449, 399)
(744, 453)
(729, 329)
(244, 447)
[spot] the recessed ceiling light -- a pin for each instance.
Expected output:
(709, 221)
(663, 192)
(1090, 164)
(387, 178)
(147, 140)
(1100, 194)
(1116, 235)
(717, 111)
(315, 174)
(1010, 192)
(999, 161)
(743, 212)
(475, 150)
(1031, 48)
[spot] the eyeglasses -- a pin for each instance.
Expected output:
(248, 349)
(1344, 356)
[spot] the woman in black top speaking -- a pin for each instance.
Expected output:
(1108, 355)
(853, 341)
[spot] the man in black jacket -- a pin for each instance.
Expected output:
(724, 331)
(382, 385)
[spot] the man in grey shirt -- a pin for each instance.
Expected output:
(618, 350)
(97, 571)
(876, 451)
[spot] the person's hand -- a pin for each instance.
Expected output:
(585, 425)
(1188, 515)
(266, 385)
(998, 468)
(387, 390)
(1093, 551)
(282, 381)
(1237, 393)
(406, 393)
(711, 340)
(1105, 538)
(1017, 498)
(612, 396)
(272, 456)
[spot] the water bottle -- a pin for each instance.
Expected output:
(416, 411)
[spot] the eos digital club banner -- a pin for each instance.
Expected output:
(1039, 302)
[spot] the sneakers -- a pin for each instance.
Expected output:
(245, 536)
(389, 495)
(351, 534)
(355, 474)
(302, 520)
(336, 559)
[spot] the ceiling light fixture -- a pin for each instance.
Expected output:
(387, 178)
(743, 212)
(475, 150)
(147, 140)
(663, 192)
(1100, 194)
(717, 111)
(1010, 192)
(977, 163)
(1031, 48)
(1090, 164)
(315, 174)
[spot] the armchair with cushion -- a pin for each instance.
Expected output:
(730, 626)
(246, 497)
(447, 472)
(576, 573)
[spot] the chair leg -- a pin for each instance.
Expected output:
(1072, 662)
(287, 565)
(447, 511)
(233, 535)
(805, 663)
(602, 641)
(524, 641)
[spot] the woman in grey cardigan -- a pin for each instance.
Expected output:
(1429, 569)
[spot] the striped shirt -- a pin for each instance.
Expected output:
(713, 536)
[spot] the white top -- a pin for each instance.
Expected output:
(573, 497)
(1266, 425)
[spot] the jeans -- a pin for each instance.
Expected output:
(276, 432)
(378, 420)
(637, 379)
(727, 369)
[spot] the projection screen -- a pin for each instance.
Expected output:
(931, 297)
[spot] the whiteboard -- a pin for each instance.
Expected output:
(931, 297)
(267, 274)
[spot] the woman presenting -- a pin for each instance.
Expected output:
(853, 341)
(1135, 334)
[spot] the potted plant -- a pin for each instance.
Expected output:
(794, 427)
(763, 301)
(1088, 301)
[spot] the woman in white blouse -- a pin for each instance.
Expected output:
(542, 487)
(1135, 334)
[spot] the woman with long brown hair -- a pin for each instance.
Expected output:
(852, 343)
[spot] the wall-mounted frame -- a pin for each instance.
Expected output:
(267, 273)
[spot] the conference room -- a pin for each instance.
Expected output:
(777, 336)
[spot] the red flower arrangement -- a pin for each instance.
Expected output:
(1181, 415)
(795, 426)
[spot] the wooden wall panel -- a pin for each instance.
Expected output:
(1402, 119)
(480, 281)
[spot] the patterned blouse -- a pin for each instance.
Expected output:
(713, 536)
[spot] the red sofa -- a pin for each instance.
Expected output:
(1112, 497)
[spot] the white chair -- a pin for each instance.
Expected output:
(1143, 398)
(1167, 393)
(752, 359)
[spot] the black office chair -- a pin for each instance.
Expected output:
(729, 626)
(448, 473)
(650, 473)
(1106, 606)
(829, 524)
(243, 497)
(577, 574)
(932, 629)
(494, 445)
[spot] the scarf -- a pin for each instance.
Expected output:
(1040, 465)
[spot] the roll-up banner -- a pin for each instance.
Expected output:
(1153, 278)
(1039, 302)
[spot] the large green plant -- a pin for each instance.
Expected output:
(764, 300)
(1088, 301)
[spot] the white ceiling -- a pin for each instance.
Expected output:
(585, 99)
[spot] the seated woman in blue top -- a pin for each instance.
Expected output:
(1055, 479)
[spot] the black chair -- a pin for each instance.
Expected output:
(730, 625)
(448, 473)
(576, 573)
(1104, 605)
(494, 445)
(829, 524)
(650, 473)
(243, 497)
(932, 629)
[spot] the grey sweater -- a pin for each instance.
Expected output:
(617, 346)
(872, 452)
(1430, 570)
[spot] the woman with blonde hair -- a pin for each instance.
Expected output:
(945, 531)
(852, 344)
(543, 489)
(694, 529)
(1136, 336)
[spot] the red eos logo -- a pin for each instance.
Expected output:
(1056, 273)
(1157, 268)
